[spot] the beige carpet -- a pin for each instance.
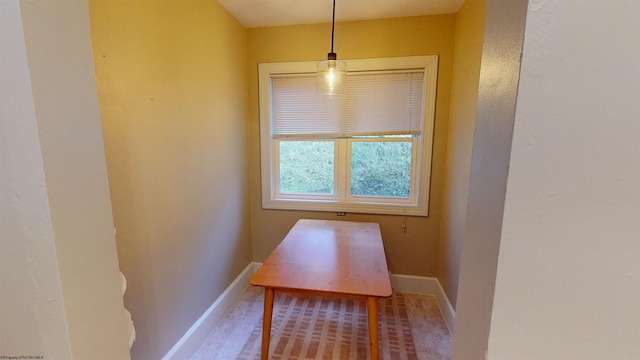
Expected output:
(307, 327)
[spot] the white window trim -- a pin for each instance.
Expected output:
(416, 206)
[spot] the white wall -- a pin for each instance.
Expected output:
(31, 308)
(568, 277)
(551, 262)
(60, 283)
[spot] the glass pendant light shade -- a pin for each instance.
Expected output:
(331, 76)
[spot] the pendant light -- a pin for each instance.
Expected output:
(332, 74)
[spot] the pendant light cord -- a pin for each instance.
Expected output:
(333, 23)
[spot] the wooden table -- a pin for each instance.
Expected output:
(328, 258)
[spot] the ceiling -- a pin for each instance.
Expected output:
(259, 13)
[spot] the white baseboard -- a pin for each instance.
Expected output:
(198, 332)
(426, 286)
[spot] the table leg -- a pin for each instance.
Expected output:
(372, 315)
(266, 322)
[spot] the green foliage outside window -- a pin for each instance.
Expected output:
(306, 167)
(381, 169)
(378, 168)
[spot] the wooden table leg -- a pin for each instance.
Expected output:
(266, 322)
(372, 315)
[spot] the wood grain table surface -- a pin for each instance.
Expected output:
(327, 258)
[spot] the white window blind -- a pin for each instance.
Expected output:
(380, 103)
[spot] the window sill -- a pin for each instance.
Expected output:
(351, 207)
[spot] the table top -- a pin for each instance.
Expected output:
(328, 257)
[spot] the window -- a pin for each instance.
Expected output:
(368, 151)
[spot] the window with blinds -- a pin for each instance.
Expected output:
(382, 103)
(367, 151)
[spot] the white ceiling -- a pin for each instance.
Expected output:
(258, 13)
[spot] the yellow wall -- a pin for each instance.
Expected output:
(464, 98)
(415, 252)
(172, 90)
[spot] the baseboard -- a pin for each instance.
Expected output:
(198, 332)
(426, 286)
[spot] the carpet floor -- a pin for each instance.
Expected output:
(306, 327)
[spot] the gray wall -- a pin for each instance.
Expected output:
(488, 179)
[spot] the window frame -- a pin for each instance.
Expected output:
(418, 202)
